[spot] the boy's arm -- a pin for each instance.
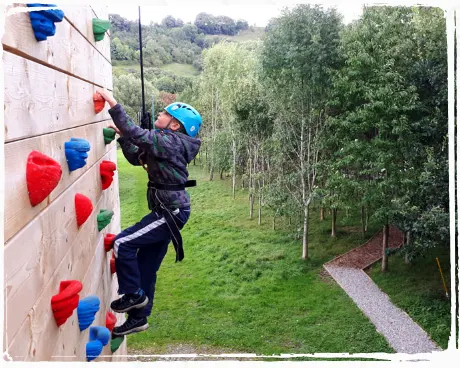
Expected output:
(148, 141)
(130, 151)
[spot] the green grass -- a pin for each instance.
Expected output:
(184, 70)
(243, 287)
(417, 288)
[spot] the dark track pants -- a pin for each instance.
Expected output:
(139, 251)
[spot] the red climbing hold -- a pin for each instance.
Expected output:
(107, 171)
(83, 208)
(42, 176)
(108, 241)
(110, 320)
(112, 264)
(99, 103)
(66, 301)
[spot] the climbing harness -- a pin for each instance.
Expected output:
(176, 236)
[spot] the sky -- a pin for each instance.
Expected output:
(257, 12)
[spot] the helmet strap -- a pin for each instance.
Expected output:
(169, 123)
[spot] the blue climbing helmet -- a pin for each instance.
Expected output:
(187, 115)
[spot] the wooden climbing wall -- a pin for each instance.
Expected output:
(47, 101)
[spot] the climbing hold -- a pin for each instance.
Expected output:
(99, 102)
(109, 135)
(100, 333)
(115, 343)
(87, 309)
(100, 26)
(83, 208)
(112, 264)
(75, 152)
(99, 336)
(66, 301)
(43, 20)
(109, 239)
(42, 176)
(93, 349)
(103, 218)
(107, 171)
(110, 320)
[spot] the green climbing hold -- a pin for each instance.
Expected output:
(100, 26)
(116, 342)
(109, 135)
(103, 218)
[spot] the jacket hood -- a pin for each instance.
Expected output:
(191, 146)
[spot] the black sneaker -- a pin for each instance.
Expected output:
(130, 326)
(128, 302)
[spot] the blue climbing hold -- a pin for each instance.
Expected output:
(99, 333)
(86, 311)
(43, 20)
(93, 349)
(75, 153)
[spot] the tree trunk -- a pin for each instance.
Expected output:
(334, 223)
(386, 230)
(363, 220)
(260, 206)
(211, 173)
(305, 233)
(406, 243)
(222, 174)
(367, 219)
(234, 168)
(290, 223)
(274, 222)
(194, 162)
(321, 214)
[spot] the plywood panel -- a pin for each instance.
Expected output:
(35, 253)
(71, 345)
(98, 282)
(18, 210)
(67, 50)
(80, 16)
(38, 335)
(41, 100)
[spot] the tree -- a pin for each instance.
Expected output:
(118, 23)
(380, 123)
(241, 25)
(127, 91)
(169, 22)
(300, 50)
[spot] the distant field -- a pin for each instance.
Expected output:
(185, 70)
(247, 35)
(122, 67)
(250, 35)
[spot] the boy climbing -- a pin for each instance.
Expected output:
(139, 250)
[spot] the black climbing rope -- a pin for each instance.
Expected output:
(146, 120)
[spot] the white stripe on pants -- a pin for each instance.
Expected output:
(139, 233)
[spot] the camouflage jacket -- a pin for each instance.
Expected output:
(166, 154)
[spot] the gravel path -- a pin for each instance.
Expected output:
(401, 332)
